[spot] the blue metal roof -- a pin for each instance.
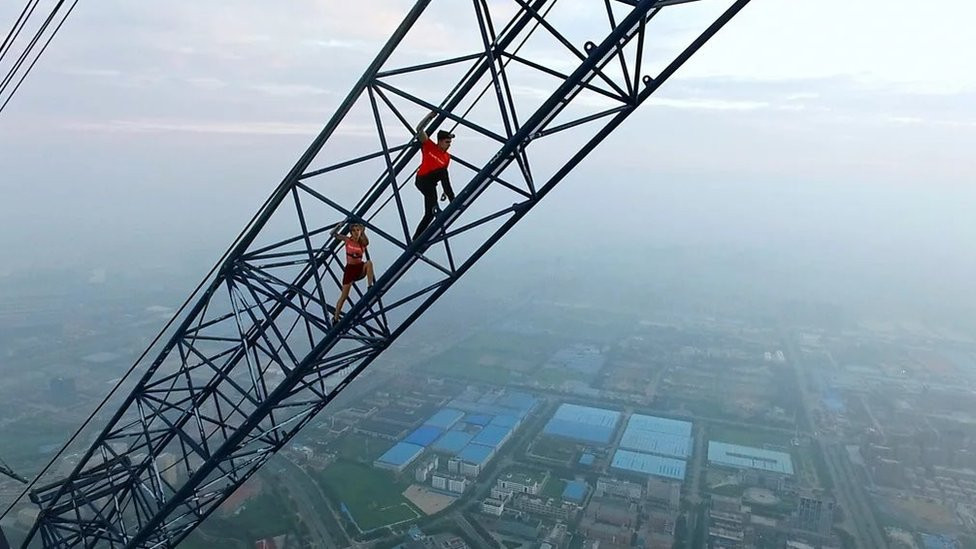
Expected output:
(504, 421)
(401, 454)
(583, 423)
(575, 491)
(640, 422)
(656, 443)
(518, 401)
(512, 404)
(476, 453)
(478, 419)
(745, 457)
(451, 442)
(649, 465)
(587, 459)
(424, 435)
(445, 418)
(491, 436)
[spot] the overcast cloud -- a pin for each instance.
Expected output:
(150, 124)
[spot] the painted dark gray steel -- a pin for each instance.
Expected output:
(213, 399)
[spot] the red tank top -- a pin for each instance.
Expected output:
(354, 252)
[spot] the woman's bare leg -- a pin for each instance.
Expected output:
(369, 274)
(342, 301)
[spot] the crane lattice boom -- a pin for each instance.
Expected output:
(258, 355)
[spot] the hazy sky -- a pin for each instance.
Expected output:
(831, 124)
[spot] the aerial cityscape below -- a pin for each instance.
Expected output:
(530, 421)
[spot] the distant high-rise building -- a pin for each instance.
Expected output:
(425, 469)
(664, 494)
(607, 486)
(727, 522)
(815, 513)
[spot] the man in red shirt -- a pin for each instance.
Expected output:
(433, 168)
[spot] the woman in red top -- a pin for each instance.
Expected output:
(433, 168)
(356, 267)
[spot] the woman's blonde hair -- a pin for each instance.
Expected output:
(363, 239)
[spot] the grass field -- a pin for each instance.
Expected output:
(558, 376)
(355, 447)
(266, 516)
(757, 438)
(459, 363)
(553, 448)
(370, 494)
(554, 488)
(467, 359)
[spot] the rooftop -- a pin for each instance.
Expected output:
(583, 423)
(424, 435)
(648, 464)
(476, 454)
(478, 419)
(452, 442)
(491, 436)
(524, 476)
(445, 418)
(745, 457)
(656, 424)
(575, 491)
(656, 443)
(504, 421)
(401, 454)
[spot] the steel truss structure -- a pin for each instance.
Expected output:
(258, 355)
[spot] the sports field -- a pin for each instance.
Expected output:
(370, 494)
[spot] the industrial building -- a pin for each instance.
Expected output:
(452, 442)
(647, 464)
(512, 404)
(575, 492)
(745, 457)
(583, 424)
(657, 435)
(492, 436)
(424, 435)
(426, 469)
(467, 436)
(474, 457)
(815, 513)
(625, 489)
(399, 457)
(522, 482)
(547, 507)
(445, 418)
(752, 466)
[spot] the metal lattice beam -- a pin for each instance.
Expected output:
(258, 355)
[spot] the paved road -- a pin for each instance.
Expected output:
(847, 487)
(468, 529)
(872, 536)
(696, 469)
(298, 484)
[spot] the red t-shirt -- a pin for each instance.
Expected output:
(432, 157)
